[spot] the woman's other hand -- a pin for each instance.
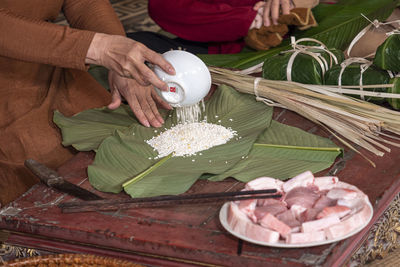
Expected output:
(127, 58)
(142, 100)
(270, 10)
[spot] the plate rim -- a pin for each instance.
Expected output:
(223, 220)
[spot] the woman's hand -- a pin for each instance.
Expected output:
(127, 58)
(270, 10)
(142, 100)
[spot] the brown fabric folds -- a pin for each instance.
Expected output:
(281, 29)
(42, 69)
(271, 36)
(260, 41)
(302, 17)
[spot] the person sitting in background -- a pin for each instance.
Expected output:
(211, 26)
(43, 67)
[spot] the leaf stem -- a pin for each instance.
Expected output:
(301, 147)
(141, 175)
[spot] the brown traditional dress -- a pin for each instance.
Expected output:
(42, 69)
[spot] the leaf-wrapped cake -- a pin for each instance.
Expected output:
(387, 56)
(359, 72)
(394, 102)
(303, 64)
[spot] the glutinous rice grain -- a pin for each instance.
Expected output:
(189, 138)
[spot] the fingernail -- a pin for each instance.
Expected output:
(161, 120)
(157, 124)
(146, 123)
(171, 70)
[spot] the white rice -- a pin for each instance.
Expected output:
(189, 138)
(189, 114)
(190, 135)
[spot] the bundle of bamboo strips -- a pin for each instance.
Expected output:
(350, 120)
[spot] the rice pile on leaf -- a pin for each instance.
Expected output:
(124, 158)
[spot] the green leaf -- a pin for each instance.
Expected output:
(86, 130)
(125, 161)
(125, 158)
(387, 56)
(282, 151)
(337, 26)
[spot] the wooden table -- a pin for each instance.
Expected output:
(193, 235)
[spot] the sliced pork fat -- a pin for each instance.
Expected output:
(320, 224)
(270, 201)
(241, 224)
(310, 210)
(273, 209)
(309, 215)
(288, 218)
(302, 196)
(340, 211)
(342, 193)
(264, 183)
(257, 232)
(237, 220)
(302, 180)
(247, 207)
(297, 210)
(350, 224)
(297, 238)
(355, 204)
(323, 202)
(271, 222)
(326, 182)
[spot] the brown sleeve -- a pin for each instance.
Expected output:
(305, 3)
(93, 15)
(42, 42)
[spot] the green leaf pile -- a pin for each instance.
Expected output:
(338, 24)
(262, 148)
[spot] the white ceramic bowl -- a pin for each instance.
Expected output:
(190, 84)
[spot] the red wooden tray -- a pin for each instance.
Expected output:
(186, 235)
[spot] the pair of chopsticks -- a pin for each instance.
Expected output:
(162, 201)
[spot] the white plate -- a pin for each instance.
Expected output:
(223, 214)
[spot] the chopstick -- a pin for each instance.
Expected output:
(162, 201)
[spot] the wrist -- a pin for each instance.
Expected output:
(96, 49)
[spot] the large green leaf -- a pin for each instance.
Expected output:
(124, 160)
(337, 26)
(86, 130)
(126, 157)
(282, 151)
